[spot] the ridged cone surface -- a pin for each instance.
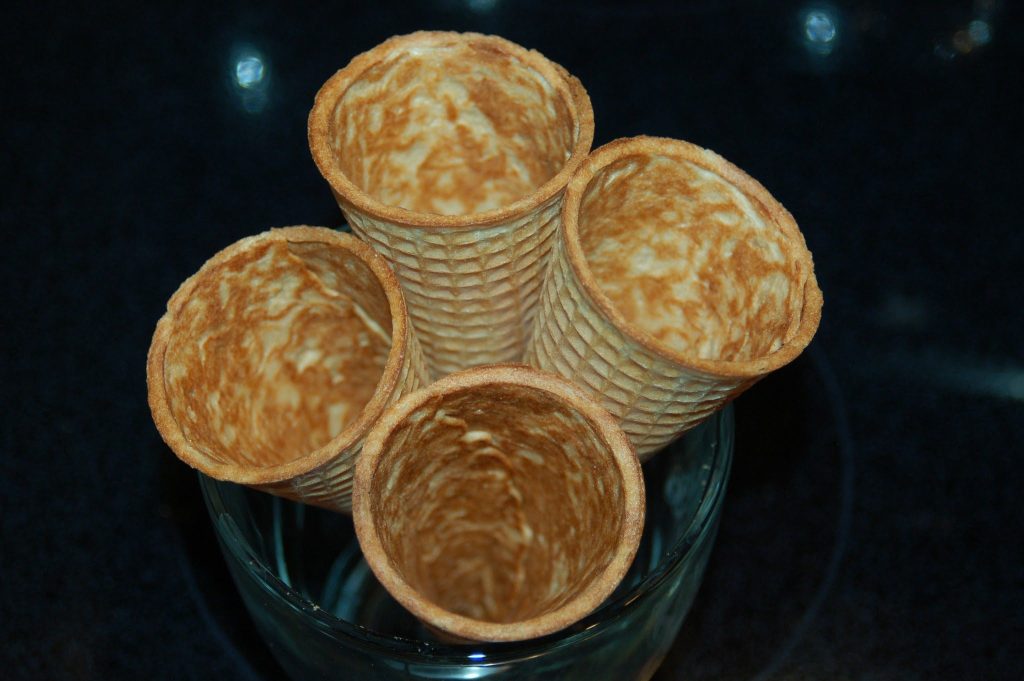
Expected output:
(654, 399)
(472, 294)
(677, 282)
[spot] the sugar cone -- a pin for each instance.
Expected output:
(678, 282)
(449, 154)
(275, 358)
(500, 503)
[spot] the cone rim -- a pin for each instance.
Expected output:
(811, 303)
(318, 131)
(350, 436)
(616, 444)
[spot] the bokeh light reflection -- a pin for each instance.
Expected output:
(819, 27)
(970, 38)
(250, 78)
(249, 72)
(980, 32)
(820, 31)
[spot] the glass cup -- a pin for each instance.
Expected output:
(317, 605)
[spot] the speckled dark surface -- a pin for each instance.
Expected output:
(873, 528)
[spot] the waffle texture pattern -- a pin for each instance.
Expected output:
(472, 293)
(656, 400)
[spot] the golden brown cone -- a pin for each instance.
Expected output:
(677, 283)
(275, 358)
(500, 503)
(449, 153)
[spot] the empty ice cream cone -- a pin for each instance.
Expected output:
(498, 504)
(449, 153)
(275, 358)
(677, 283)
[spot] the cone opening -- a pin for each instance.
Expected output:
(275, 350)
(450, 124)
(696, 262)
(499, 503)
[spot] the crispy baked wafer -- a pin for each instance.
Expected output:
(449, 153)
(276, 357)
(678, 282)
(500, 503)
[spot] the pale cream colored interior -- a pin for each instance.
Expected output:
(688, 258)
(276, 351)
(496, 503)
(451, 130)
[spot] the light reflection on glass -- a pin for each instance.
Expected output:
(820, 31)
(481, 6)
(900, 311)
(974, 378)
(457, 672)
(963, 374)
(250, 78)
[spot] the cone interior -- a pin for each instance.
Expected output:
(451, 129)
(276, 351)
(497, 503)
(688, 258)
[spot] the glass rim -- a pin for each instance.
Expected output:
(431, 653)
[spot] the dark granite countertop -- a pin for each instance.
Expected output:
(873, 528)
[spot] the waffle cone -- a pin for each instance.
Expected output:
(677, 283)
(500, 503)
(275, 358)
(449, 154)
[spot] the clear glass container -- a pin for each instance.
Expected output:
(324, 616)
